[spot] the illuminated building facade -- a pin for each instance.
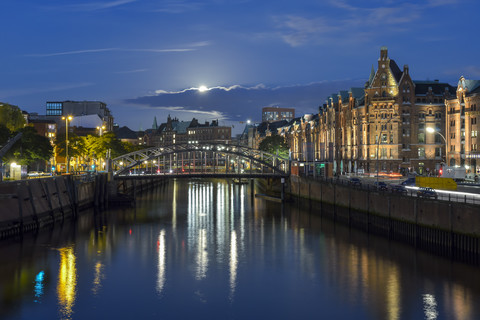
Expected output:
(381, 127)
(463, 125)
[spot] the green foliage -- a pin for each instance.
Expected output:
(30, 148)
(93, 146)
(274, 144)
(11, 117)
(5, 134)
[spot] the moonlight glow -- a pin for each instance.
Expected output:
(202, 88)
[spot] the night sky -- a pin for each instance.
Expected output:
(148, 58)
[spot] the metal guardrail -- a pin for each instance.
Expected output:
(443, 195)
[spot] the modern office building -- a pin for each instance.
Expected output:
(270, 114)
(59, 109)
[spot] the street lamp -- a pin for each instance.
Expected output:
(100, 130)
(67, 118)
(432, 130)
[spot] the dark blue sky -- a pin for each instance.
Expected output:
(142, 57)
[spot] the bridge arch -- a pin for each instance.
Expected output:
(206, 158)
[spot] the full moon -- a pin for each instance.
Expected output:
(202, 88)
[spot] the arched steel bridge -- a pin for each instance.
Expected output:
(201, 160)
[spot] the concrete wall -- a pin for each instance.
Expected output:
(456, 217)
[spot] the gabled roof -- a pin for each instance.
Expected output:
(438, 88)
(397, 73)
(344, 95)
(180, 126)
(473, 86)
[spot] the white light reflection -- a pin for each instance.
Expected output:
(220, 222)
(233, 263)
(200, 212)
(202, 255)
(174, 205)
(430, 306)
(161, 248)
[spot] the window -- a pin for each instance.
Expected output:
(383, 153)
(421, 152)
(421, 138)
(438, 152)
(384, 138)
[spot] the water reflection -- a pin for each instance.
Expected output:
(214, 244)
(430, 306)
(39, 285)
(161, 249)
(233, 263)
(67, 282)
(98, 277)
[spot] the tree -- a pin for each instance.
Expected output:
(275, 144)
(4, 134)
(11, 117)
(30, 148)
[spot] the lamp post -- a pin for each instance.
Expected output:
(100, 130)
(67, 118)
(432, 130)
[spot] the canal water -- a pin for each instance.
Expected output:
(207, 249)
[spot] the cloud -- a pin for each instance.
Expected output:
(28, 91)
(75, 52)
(131, 71)
(94, 6)
(352, 22)
(469, 72)
(237, 103)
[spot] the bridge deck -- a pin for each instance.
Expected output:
(201, 175)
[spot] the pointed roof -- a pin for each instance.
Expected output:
(372, 75)
(472, 86)
(155, 125)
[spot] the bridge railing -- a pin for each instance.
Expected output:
(208, 157)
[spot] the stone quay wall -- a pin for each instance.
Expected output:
(451, 226)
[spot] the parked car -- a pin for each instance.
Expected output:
(355, 182)
(427, 193)
(380, 185)
(398, 188)
(408, 182)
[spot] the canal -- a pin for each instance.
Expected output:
(206, 249)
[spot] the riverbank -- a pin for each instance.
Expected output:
(29, 205)
(453, 228)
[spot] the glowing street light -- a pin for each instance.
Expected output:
(100, 130)
(67, 118)
(432, 130)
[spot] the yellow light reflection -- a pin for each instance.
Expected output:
(67, 282)
(233, 263)
(97, 280)
(462, 302)
(393, 293)
(161, 261)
